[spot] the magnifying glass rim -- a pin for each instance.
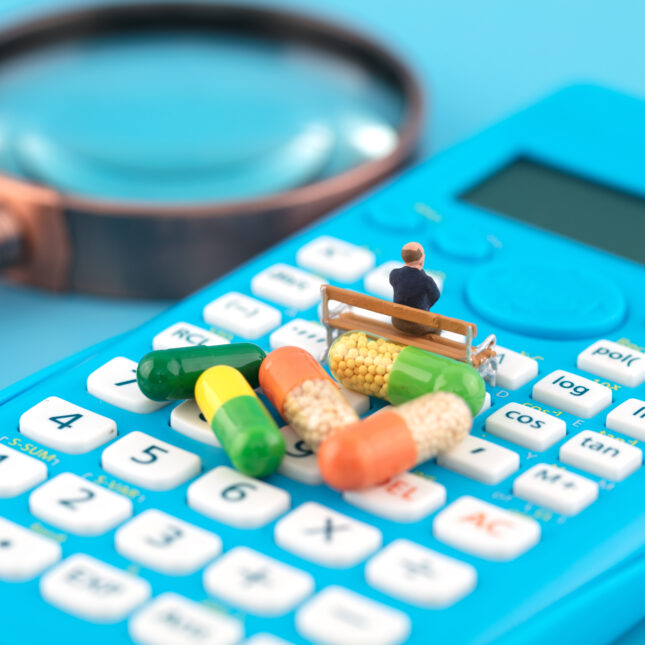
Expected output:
(26, 36)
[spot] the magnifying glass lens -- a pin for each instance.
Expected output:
(189, 117)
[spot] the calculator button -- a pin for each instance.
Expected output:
(305, 334)
(265, 639)
(165, 543)
(601, 455)
(519, 297)
(377, 281)
(171, 619)
(316, 533)
(360, 402)
(485, 530)
(233, 498)
(23, 553)
(556, 488)
(404, 498)
(75, 504)
(18, 472)
(414, 574)
(479, 459)
(183, 334)
(628, 418)
(288, 286)
(614, 361)
(93, 590)
(116, 383)
(242, 315)
(339, 616)
(514, 369)
(188, 419)
(256, 583)
(335, 258)
(485, 405)
(145, 461)
(572, 393)
(526, 426)
(299, 461)
(64, 426)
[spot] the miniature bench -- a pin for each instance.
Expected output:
(346, 319)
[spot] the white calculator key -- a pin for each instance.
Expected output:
(116, 383)
(377, 281)
(485, 405)
(572, 393)
(288, 286)
(526, 426)
(335, 258)
(556, 488)
(188, 419)
(404, 498)
(514, 369)
(613, 361)
(485, 530)
(233, 498)
(316, 533)
(299, 461)
(414, 574)
(256, 583)
(171, 619)
(183, 334)
(93, 590)
(479, 459)
(338, 616)
(265, 639)
(65, 426)
(242, 315)
(305, 334)
(23, 553)
(75, 504)
(165, 543)
(18, 472)
(360, 402)
(149, 462)
(601, 455)
(628, 418)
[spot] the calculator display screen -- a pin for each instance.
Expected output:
(567, 204)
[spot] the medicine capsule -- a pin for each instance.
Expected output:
(393, 440)
(304, 394)
(244, 427)
(398, 373)
(169, 374)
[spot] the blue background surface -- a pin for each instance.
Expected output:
(479, 62)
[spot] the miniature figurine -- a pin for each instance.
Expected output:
(413, 287)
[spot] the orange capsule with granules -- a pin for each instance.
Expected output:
(304, 394)
(393, 440)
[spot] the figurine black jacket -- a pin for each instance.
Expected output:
(414, 288)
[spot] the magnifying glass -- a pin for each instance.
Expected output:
(146, 149)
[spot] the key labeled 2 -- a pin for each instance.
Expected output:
(572, 393)
(151, 463)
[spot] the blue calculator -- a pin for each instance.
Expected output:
(122, 521)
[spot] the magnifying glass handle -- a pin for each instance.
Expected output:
(12, 242)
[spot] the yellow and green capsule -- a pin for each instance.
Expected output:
(244, 427)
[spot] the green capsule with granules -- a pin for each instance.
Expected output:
(168, 374)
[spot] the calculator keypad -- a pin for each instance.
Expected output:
(93, 590)
(305, 334)
(335, 258)
(614, 361)
(18, 472)
(65, 426)
(287, 286)
(242, 315)
(75, 504)
(629, 418)
(188, 419)
(183, 334)
(145, 461)
(514, 369)
(299, 461)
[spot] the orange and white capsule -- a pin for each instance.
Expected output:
(394, 440)
(304, 394)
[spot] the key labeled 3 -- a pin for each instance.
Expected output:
(145, 461)
(614, 361)
(572, 393)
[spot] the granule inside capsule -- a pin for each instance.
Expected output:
(363, 364)
(316, 409)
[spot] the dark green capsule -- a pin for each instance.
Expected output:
(169, 374)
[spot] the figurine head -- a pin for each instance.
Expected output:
(413, 255)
